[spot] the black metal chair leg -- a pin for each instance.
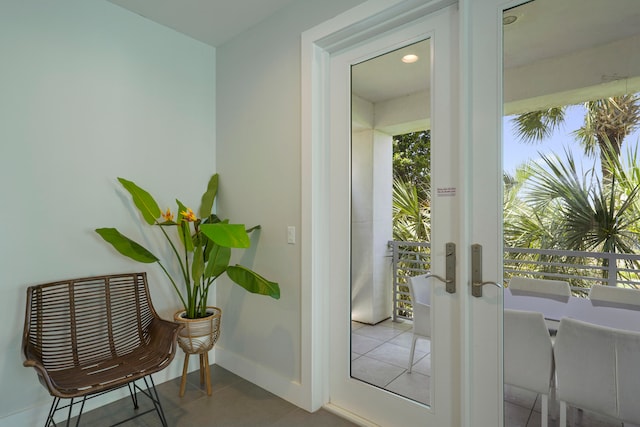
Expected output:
(69, 416)
(84, 399)
(52, 410)
(151, 392)
(133, 393)
(155, 398)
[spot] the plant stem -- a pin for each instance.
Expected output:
(175, 251)
(174, 284)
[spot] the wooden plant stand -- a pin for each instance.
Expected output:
(205, 372)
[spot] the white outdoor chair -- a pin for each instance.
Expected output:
(540, 286)
(615, 294)
(627, 351)
(585, 357)
(420, 292)
(528, 355)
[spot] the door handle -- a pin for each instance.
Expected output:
(476, 272)
(450, 269)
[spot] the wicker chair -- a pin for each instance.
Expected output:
(88, 336)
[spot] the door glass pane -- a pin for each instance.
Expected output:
(571, 200)
(390, 153)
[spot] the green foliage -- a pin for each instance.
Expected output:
(411, 215)
(229, 235)
(584, 214)
(126, 246)
(534, 126)
(143, 201)
(606, 124)
(412, 161)
(206, 243)
(252, 281)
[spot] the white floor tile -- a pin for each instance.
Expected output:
(399, 324)
(414, 386)
(519, 396)
(374, 371)
(516, 416)
(362, 344)
(405, 339)
(422, 366)
(394, 354)
(377, 332)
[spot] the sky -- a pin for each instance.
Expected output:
(516, 152)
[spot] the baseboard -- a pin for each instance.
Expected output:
(36, 415)
(285, 388)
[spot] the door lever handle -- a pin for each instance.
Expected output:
(450, 269)
(476, 272)
(442, 279)
(488, 283)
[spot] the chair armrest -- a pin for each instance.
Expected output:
(33, 360)
(163, 334)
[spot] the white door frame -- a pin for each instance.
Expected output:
(481, 116)
(480, 96)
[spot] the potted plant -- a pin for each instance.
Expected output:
(201, 247)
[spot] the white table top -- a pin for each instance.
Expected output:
(620, 316)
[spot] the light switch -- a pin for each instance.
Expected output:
(291, 235)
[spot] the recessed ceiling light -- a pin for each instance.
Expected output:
(509, 19)
(409, 59)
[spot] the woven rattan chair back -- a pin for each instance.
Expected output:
(85, 336)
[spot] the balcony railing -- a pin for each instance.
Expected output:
(581, 269)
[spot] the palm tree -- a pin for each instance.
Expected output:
(607, 122)
(556, 206)
(583, 213)
(411, 214)
(522, 225)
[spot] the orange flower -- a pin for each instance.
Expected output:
(188, 215)
(167, 216)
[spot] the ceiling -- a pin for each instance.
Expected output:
(386, 76)
(213, 22)
(544, 29)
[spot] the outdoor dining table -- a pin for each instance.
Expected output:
(554, 308)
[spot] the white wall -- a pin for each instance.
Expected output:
(371, 226)
(258, 133)
(89, 92)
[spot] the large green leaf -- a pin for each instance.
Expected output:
(184, 229)
(253, 282)
(197, 266)
(206, 204)
(126, 246)
(218, 260)
(143, 201)
(229, 235)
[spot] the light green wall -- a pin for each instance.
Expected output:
(88, 92)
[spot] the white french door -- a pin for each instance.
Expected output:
(466, 205)
(346, 391)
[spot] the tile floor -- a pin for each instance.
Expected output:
(234, 402)
(380, 355)
(522, 409)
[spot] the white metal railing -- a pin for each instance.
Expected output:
(409, 259)
(580, 269)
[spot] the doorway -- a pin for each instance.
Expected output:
(465, 360)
